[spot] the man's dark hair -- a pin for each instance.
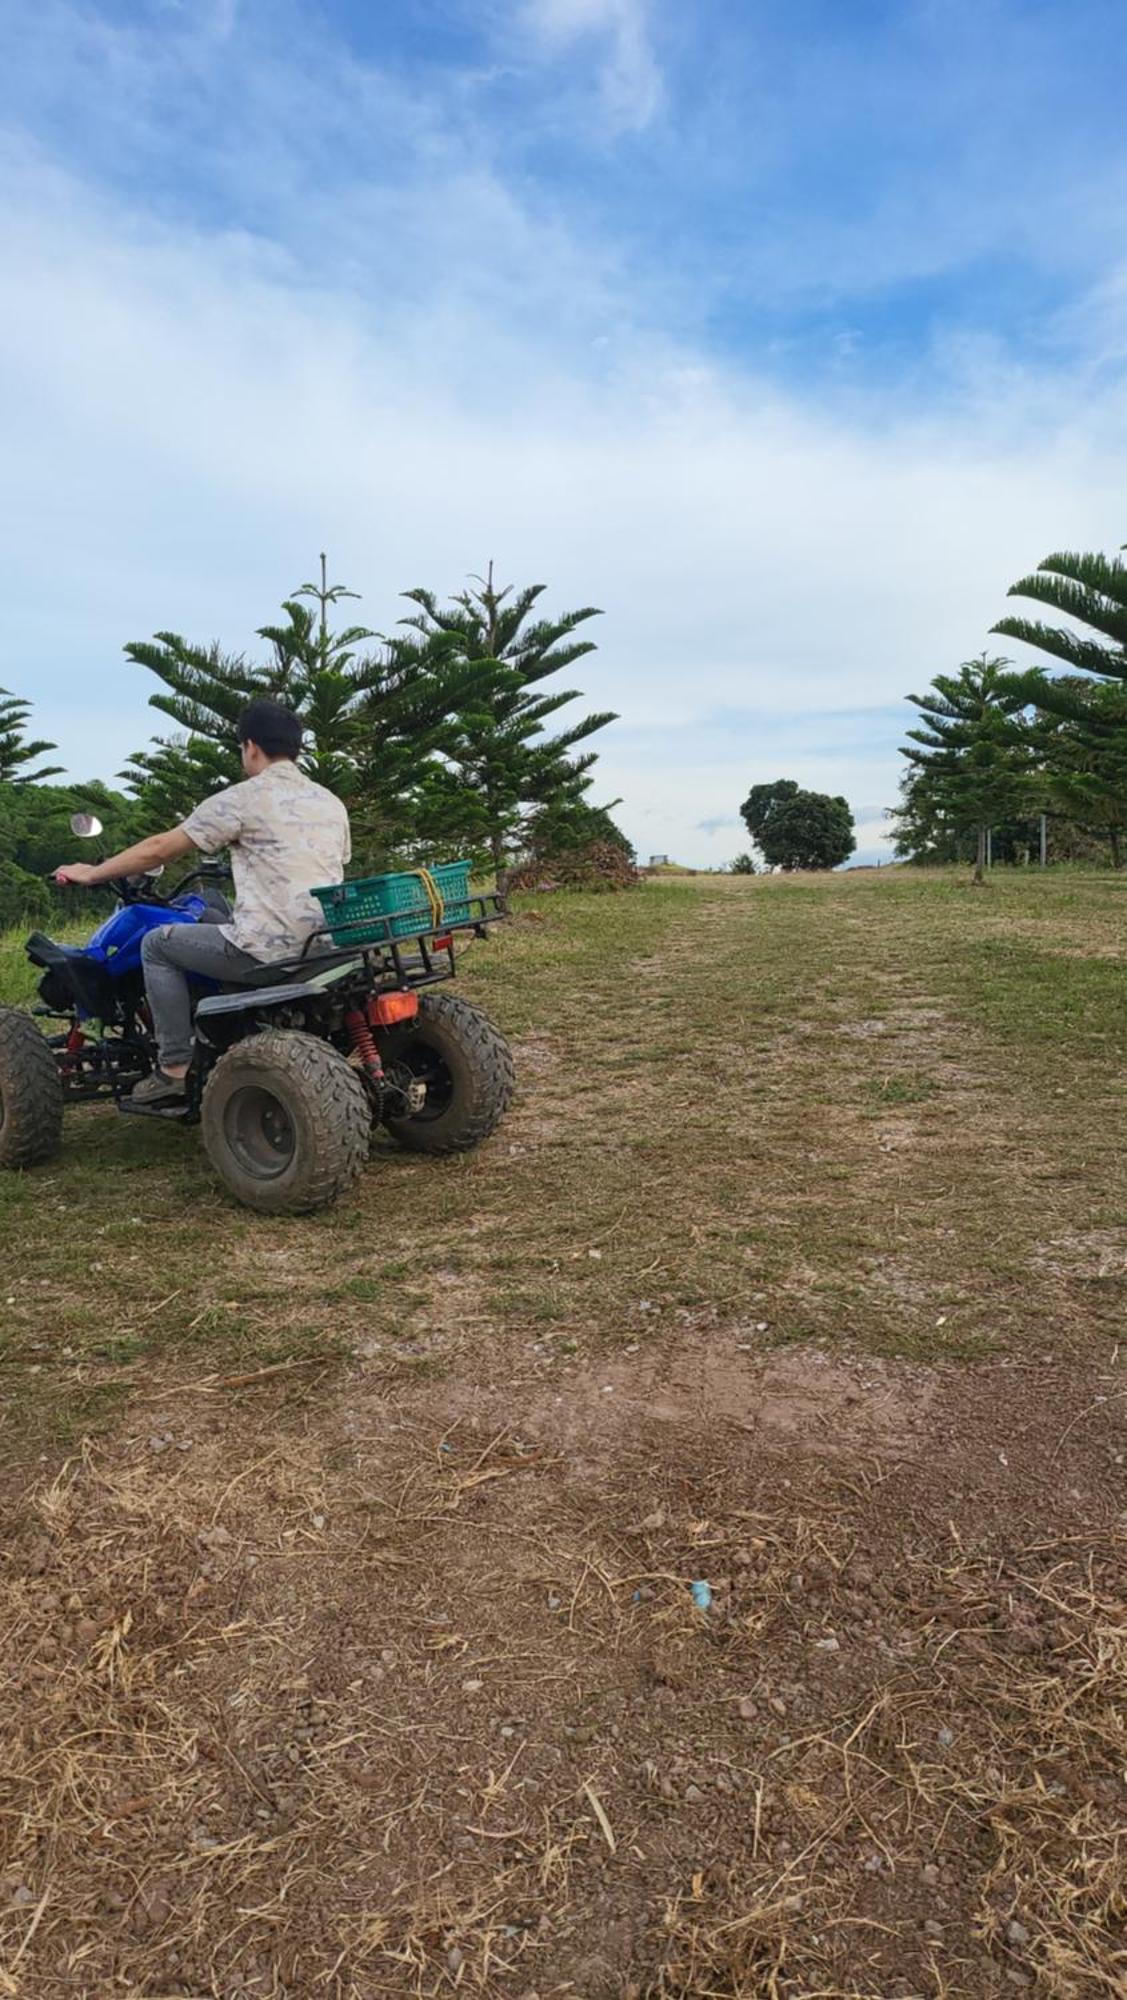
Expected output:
(271, 725)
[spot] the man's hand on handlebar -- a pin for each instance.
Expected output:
(79, 874)
(140, 859)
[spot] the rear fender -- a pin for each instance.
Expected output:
(254, 999)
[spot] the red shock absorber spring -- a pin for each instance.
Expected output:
(363, 1042)
(75, 1043)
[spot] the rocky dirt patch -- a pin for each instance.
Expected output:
(467, 1688)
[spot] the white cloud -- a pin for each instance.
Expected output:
(630, 81)
(187, 421)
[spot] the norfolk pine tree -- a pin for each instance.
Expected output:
(977, 755)
(15, 750)
(497, 764)
(371, 710)
(1091, 590)
(1082, 743)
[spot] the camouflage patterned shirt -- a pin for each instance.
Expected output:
(286, 836)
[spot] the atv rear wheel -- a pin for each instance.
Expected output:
(467, 1067)
(31, 1093)
(285, 1122)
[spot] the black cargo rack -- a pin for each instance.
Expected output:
(417, 958)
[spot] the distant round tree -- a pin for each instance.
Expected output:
(797, 829)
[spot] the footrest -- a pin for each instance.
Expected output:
(177, 1109)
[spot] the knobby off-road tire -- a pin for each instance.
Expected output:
(31, 1095)
(468, 1067)
(285, 1122)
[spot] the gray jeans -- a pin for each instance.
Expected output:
(169, 955)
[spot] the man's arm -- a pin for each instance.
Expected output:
(135, 860)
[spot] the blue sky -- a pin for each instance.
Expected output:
(788, 333)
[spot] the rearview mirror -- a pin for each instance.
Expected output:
(85, 826)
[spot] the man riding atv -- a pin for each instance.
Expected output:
(286, 836)
(289, 1030)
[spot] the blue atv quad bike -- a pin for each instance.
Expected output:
(291, 1070)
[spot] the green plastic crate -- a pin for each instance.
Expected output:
(377, 907)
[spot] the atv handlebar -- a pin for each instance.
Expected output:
(130, 888)
(140, 888)
(208, 871)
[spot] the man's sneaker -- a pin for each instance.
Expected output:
(159, 1089)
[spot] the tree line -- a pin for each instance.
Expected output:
(996, 748)
(439, 737)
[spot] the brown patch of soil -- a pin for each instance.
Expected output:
(822, 1401)
(1089, 1253)
(414, 1698)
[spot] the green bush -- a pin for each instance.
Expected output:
(24, 900)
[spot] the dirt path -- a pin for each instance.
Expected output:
(381, 1673)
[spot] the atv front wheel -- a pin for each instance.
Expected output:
(466, 1066)
(31, 1093)
(285, 1122)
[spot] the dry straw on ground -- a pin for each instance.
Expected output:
(231, 1772)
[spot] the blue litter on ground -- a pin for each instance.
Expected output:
(702, 1594)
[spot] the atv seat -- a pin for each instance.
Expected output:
(284, 971)
(276, 985)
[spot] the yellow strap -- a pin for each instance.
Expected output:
(433, 895)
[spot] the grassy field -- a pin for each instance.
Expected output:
(348, 1559)
(863, 1104)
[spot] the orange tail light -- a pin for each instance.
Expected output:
(391, 1007)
